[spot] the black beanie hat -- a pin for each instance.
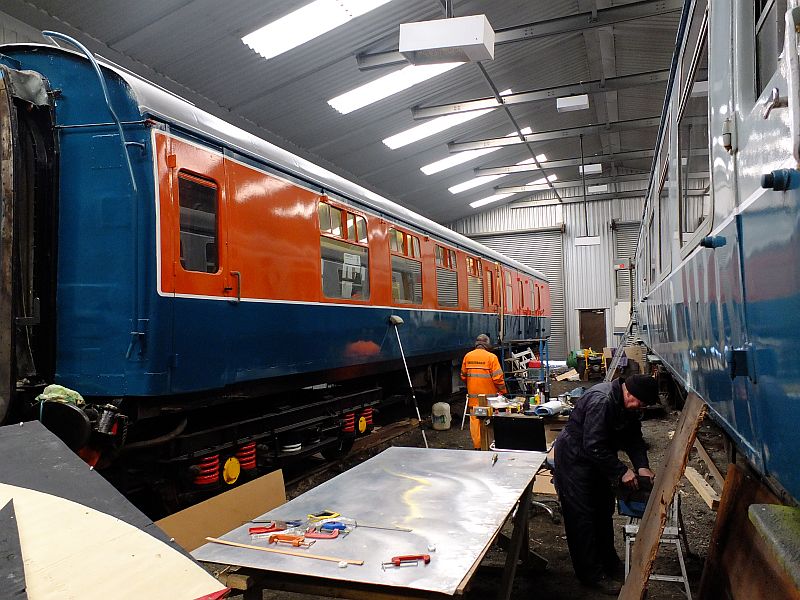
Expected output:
(644, 387)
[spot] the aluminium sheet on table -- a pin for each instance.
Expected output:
(453, 500)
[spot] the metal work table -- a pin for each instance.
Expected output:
(454, 501)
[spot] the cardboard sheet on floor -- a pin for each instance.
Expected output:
(225, 512)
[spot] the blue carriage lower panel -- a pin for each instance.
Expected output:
(219, 343)
(770, 226)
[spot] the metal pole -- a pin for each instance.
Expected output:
(583, 179)
(413, 396)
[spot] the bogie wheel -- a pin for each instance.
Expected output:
(339, 449)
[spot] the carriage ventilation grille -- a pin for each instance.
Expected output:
(447, 287)
(476, 293)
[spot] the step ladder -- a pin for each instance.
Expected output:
(672, 534)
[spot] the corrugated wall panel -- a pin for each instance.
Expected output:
(542, 250)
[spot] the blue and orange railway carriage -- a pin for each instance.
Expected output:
(169, 261)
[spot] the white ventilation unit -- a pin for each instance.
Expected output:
(597, 189)
(569, 103)
(461, 39)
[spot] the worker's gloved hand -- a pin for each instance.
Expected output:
(629, 480)
(645, 472)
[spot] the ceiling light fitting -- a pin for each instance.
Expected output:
(386, 86)
(305, 24)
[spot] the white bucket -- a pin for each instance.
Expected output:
(440, 415)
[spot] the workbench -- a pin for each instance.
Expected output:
(454, 501)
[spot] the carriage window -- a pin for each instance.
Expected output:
(446, 277)
(351, 227)
(345, 269)
(406, 280)
(652, 241)
(415, 252)
(336, 221)
(490, 287)
(509, 293)
(474, 284)
(694, 179)
(198, 223)
(769, 20)
(663, 219)
(324, 213)
(361, 230)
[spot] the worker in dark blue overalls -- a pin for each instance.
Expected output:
(605, 420)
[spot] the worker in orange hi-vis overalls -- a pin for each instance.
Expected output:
(483, 375)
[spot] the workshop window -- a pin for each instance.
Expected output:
(406, 280)
(345, 269)
(198, 200)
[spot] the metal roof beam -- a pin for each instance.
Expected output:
(591, 198)
(567, 162)
(596, 86)
(556, 134)
(643, 178)
(531, 31)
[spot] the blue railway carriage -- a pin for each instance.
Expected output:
(220, 303)
(718, 258)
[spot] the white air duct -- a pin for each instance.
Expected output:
(461, 39)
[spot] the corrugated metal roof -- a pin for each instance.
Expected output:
(194, 47)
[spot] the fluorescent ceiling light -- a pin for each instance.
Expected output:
(462, 157)
(592, 169)
(434, 126)
(489, 200)
(476, 181)
(498, 197)
(385, 86)
(306, 23)
(597, 189)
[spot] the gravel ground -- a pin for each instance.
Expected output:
(546, 537)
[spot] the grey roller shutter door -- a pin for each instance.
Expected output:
(625, 236)
(543, 251)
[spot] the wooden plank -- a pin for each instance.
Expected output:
(712, 468)
(655, 515)
(739, 565)
(706, 492)
(567, 375)
(335, 559)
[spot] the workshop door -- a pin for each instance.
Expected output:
(592, 326)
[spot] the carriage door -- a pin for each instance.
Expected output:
(197, 238)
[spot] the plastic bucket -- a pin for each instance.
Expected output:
(440, 415)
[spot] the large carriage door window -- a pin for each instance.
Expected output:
(694, 181)
(446, 277)
(198, 223)
(770, 25)
(344, 254)
(490, 287)
(664, 237)
(509, 293)
(474, 283)
(406, 272)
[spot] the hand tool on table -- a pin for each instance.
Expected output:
(268, 527)
(386, 527)
(285, 552)
(293, 540)
(409, 560)
(494, 459)
(281, 524)
(325, 514)
(321, 534)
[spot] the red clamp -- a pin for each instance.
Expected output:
(268, 528)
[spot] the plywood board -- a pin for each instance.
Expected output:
(12, 569)
(655, 515)
(72, 551)
(220, 514)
